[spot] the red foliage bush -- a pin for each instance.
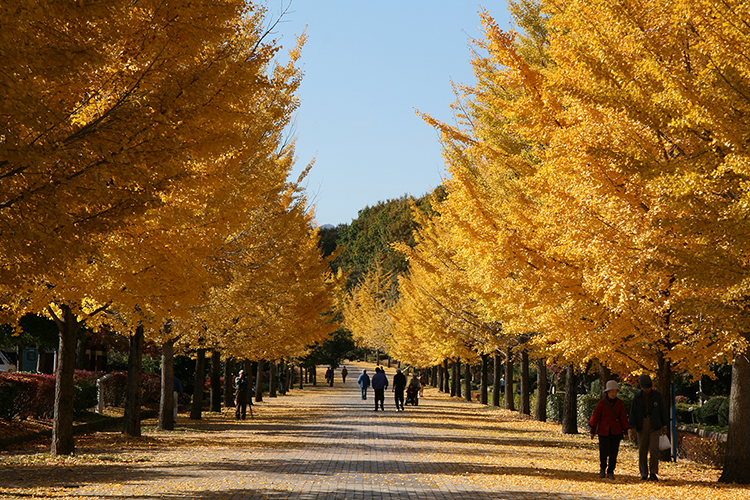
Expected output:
(34, 394)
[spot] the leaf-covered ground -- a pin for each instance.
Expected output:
(327, 443)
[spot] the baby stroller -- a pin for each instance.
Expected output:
(412, 395)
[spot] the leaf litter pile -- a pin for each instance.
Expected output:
(494, 450)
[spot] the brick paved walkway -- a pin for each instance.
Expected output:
(318, 443)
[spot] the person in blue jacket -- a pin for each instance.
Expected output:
(379, 385)
(648, 416)
(364, 383)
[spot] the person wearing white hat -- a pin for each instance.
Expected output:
(610, 422)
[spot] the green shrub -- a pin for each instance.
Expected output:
(724, 413)
(85, 397)
(596, 387)
(684, 413)
(586, 406)
(708, 414)
(555, 406)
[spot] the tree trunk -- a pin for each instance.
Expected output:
(216, 381)
(377, 358)
(540, 410)
(467, 381)
(62, 424)
(496, 376)
(605, 375)
(166, 399)
(272, 380)
(453, 377)
(259, 382)
(525, 405)
(458, 377)
(483, 382)
(510, 404)
(433, 376)
(737, 456)
(196, 410)
(570, 404)
(229, 383)
(447, 375)
(132, 421)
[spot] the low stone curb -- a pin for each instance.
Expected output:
(719, 436)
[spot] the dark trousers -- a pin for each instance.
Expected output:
(241, 409)
(648, 449)
(398, 396)
(609, 446)
(379, 396)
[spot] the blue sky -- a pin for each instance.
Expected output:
(368, 65)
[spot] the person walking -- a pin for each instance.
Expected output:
(648, 415)
(329, 376)
(609, 422)
(422, 384)
(344, 373)
(364, 383)
(241, 385)
(379, 385)
(399, 384)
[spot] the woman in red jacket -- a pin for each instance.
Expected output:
(610, 422)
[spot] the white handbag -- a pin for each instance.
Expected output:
(664, 443)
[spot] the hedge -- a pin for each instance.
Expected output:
(28, 395)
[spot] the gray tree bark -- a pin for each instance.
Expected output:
(132, 421)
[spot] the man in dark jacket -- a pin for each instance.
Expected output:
(648, 416)
(364, 383)
(241, 384)
(379, 385)
(399, 384)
